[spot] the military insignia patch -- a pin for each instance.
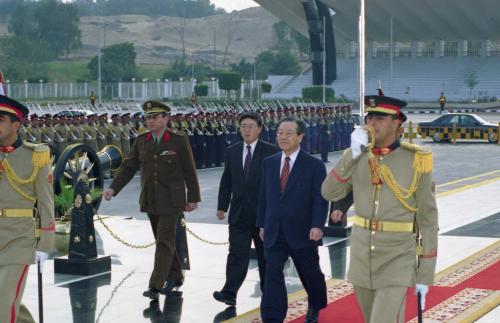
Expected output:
(373, 103)
(50, 178)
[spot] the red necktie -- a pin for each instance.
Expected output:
(284, 174)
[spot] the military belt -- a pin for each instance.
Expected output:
(17, 213)
(382, 226)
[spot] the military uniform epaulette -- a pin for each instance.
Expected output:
(177, 132)
(143, 133)
(41, 154)
(423, 157)
(416, 148)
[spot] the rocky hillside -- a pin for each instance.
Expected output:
(157, 39)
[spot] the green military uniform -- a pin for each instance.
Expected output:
(167, 173)
(25, 181)
(393, 198)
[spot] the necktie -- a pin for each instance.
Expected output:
(248, 160)
(284, 174)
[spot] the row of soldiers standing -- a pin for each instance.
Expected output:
(327, 129)
(60, 131)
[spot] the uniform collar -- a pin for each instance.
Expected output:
(386, 150)
(11, 148)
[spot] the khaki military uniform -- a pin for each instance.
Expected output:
(383, 241)
(60, 138)
(37, 134)
(90, 136)
(168, 182)
(25, 179)
(113, 136)
(124, 132)
(102, 136)
(77, 134)
(47, 135)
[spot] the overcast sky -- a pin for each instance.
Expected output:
(231, 5)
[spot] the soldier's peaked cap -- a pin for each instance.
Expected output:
(378, 104)
(10, 106)
(155, 107)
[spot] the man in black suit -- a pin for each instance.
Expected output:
(239, 187)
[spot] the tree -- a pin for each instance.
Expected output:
(49, 21)
(244, 68)
(229, 81)
(471, 80)
(266, 87)
(201, 90)
(282, 63)
(315, 94)
(117, 63)
(22, 58)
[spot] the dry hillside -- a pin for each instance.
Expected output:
(157, 39)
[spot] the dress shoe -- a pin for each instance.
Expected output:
(170, 286)
(151, 293)
(312, 316)
(223, 298)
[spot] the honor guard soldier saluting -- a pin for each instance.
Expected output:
(26, 209)
(167, 173)
(395, 207)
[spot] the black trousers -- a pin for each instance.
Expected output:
(240, 240)
(274, 302)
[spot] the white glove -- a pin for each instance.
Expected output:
(422, 289)
(359, 138)
(41, 257)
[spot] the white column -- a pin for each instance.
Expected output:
(165, 88)
(133, 88)
(41, 88)
(242, 89)
(56, 88)
(182, 87)
(25, 88)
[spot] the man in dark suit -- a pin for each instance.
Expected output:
(239, 187)
(169, 186)
(291, 215)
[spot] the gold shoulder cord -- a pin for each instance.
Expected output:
(422, 163)
(40, 159)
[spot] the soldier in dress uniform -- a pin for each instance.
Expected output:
(125, 133)
(168, 174)
(210, 141)
(395, 206)
(324, 134)
(89, 132)
(102, 131)
(199, 139)
(442, 102)
(60, 133)
(113, 131)
(36, 130)
(76, 129)
(26, 232)
(47, 131)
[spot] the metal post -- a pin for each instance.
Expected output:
(362, 60)
(391, 54)
(324, 61)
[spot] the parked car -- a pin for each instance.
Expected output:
(468, 126)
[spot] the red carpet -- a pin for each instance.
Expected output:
(453, 294)
(462, 293)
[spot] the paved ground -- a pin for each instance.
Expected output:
(468, 207)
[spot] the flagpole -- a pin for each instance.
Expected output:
(361, 46)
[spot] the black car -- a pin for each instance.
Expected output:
(468, 126)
